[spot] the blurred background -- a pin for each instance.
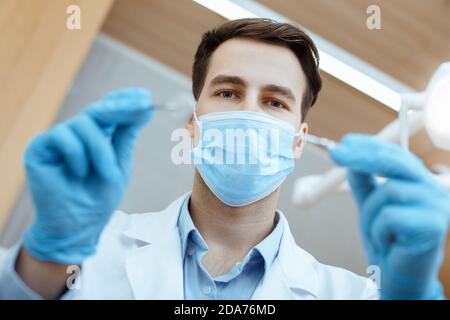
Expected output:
(49, 72)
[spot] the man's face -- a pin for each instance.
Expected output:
(249, 75)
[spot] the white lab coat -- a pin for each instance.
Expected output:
(139, 257)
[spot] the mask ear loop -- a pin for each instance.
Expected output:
(198, 124)
(196, 118)
(300, 134)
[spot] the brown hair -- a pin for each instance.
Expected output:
(283, 34)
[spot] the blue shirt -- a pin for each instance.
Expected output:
(243, 278)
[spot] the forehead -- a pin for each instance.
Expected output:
(258, 63)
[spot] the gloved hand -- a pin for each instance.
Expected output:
(77, 173)
(404, 221)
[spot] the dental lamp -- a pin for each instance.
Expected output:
(435, 104)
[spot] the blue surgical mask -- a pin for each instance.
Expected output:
(243, 156)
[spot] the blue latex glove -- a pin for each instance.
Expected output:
(404, 222)
(77, 173)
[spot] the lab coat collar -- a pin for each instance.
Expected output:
(298, 267)
(155, 269)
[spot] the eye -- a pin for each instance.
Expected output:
(275, 104)
(226, 94)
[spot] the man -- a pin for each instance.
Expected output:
(225, 239)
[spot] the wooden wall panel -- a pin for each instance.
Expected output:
(166, 30)
(39, 57)
(341, 109)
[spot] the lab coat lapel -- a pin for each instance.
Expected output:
(292, 274)
(273, 286)
(155, 269)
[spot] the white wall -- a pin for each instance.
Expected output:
(329, 230)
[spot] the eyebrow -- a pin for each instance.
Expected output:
(224, 79)
(286, 92)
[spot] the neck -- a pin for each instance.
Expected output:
(231, 229)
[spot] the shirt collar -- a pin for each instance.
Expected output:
(186, 227)
(268, 248)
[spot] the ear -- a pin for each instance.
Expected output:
(193, 129)
(300, 141)
(189, 125)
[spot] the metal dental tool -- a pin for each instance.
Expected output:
(325, 143)
(181, 101)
